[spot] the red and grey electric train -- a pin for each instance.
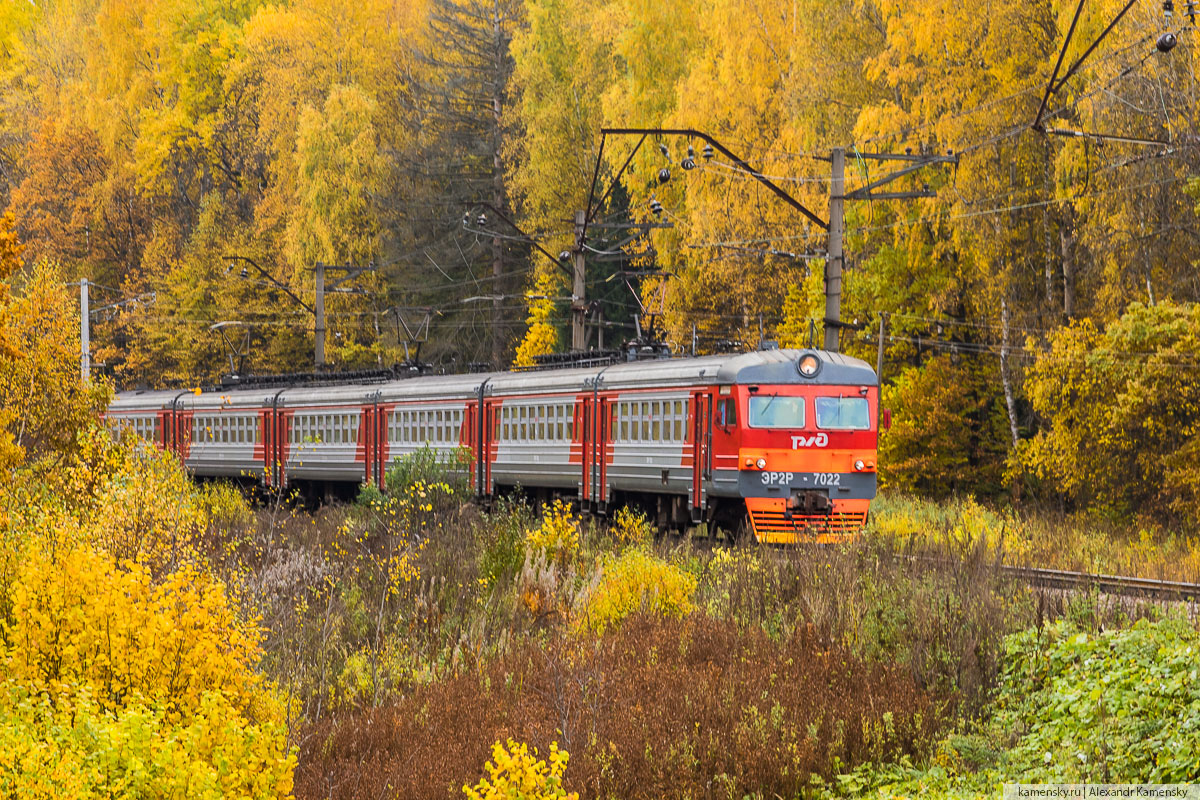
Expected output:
(786, 439)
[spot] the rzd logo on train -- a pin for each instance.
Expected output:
(820, 440)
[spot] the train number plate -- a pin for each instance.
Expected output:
(827, 478)
(777, 478)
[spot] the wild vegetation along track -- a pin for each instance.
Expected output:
(1109, 584)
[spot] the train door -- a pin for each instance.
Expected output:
(280, 420)
(600, 453)
(701, 449)
(595, 478)
(382, 445)
(164, 429)
(470, 440)
(369, 444)
(583, 424)
(486, 452)
(263, 447)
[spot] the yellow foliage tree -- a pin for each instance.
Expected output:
(542, 336)
(43, 400)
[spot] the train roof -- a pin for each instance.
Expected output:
(760, 367)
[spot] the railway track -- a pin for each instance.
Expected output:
(1109, 584)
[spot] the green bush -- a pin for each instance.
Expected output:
(430, 466)
(1073, 707)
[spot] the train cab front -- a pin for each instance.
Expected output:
(807, 446)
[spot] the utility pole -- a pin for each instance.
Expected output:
(578, 286)
(834, 256)
(319, 312)
(85, 333)
(318, 308)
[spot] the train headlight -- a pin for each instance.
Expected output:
(761, 463)
(809, 365)
(859, 466)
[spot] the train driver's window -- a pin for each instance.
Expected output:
(775, 411)
(843, 413)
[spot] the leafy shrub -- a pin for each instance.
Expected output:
(631, 527)
(635, 581)
(430, 467)
(514, 774)
(1108, 707)
(558, 533)
(1073, 707)
(78, 619)
(501, 541)
(119, 685)
(81, 750)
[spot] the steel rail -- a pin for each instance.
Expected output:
(1125, 585)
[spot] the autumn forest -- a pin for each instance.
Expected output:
(1021, 259)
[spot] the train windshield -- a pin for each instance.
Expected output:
(843, 413)
(774, 411)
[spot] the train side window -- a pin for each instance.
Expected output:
(645, 415)
(571, 424)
